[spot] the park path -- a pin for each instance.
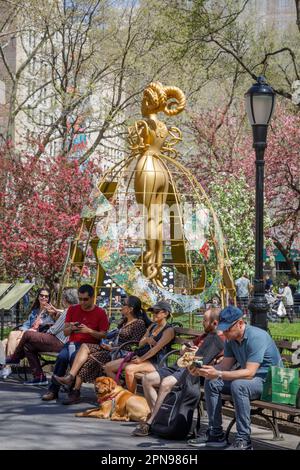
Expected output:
(26, 422)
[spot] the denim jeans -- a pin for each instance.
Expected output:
(242, 391)
(61, 365)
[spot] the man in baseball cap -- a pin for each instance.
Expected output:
(254, 351)
(228, 316)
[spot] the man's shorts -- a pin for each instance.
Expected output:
(174, 370)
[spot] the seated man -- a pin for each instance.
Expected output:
(208, 345)
(85, 323)
(254, 350)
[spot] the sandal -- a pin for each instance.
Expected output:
(142, 429)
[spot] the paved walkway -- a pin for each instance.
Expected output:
(26, 422)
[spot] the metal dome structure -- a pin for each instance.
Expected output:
(149, 228)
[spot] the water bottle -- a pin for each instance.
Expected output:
(71, 349)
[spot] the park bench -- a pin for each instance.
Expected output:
(290, 353)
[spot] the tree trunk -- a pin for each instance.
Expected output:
(290, 262)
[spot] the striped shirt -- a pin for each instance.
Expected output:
(58, 328)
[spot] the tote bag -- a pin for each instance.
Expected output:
(281, 386)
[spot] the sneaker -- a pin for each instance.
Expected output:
(208, 440)
(49, 396)
(199, 441)
(73, 397)
(5, 372)
(240, 444)
(37, 381)
(142, 429)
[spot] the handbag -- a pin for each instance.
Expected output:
(281, 386)
(44, 328)
(281, 312)
(113, 334)
(142, 350)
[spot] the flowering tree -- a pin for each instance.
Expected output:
(233, 202)
(225, 148)
(41, 202)
(283, 184)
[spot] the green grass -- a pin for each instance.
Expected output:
(276, 329)
(282, 329)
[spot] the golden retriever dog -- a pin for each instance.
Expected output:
(116, 403)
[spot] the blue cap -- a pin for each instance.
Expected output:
(228, 316)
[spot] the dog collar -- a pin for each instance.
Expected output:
(113, 407)
(102, 400)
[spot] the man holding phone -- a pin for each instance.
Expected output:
(254, 351)
(85, 323)
(208, 345)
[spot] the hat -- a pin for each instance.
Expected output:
(161, 305)
(228, 316)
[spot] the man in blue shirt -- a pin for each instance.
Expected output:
(254, 351)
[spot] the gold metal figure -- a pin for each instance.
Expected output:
(148, 143)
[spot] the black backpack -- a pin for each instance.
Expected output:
(174, 419)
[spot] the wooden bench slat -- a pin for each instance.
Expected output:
(283, 344)
(187, 331)
(289, 409)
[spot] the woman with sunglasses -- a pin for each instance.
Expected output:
(91, 358)
(152, 347)
(34, 342)
(42, 313)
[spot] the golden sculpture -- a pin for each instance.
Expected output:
(151, 183)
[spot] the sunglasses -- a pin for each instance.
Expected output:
(83, 299)
(228, 329)
(45, 296)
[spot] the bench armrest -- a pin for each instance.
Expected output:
(118, 349)
(164, 360)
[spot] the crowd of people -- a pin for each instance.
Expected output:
(244, 290)
(86, 350)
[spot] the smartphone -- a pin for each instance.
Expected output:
(77, 323)
(197, 363)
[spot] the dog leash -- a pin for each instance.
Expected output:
(94, 358)
(127, 358)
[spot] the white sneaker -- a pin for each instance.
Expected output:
(5, 372)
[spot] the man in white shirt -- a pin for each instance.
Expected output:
(242, 292)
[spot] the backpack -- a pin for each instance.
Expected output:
(174, 419)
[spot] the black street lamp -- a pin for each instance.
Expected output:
(260, 104)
